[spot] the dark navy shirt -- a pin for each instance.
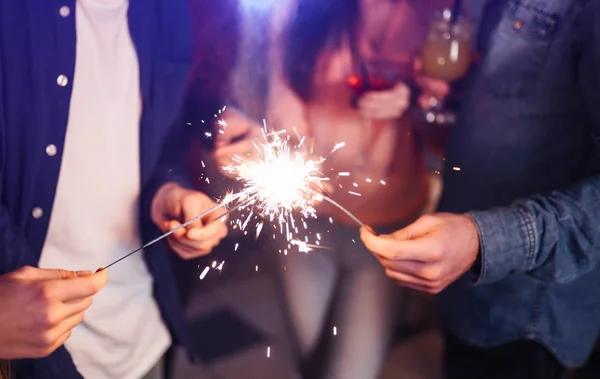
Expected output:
(37, 46)
(523, 158)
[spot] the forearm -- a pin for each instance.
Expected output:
(553, 238)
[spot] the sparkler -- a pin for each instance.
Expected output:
(280, 183)
(285, 182)
(184, 225)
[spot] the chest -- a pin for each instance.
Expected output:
(38, 47)
(521, 127)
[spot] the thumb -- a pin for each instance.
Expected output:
(195, 205)
(417, 229)
(394, 248)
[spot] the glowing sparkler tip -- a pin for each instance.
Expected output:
(281, 180)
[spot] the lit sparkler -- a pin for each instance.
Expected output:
(278, 185)
(283, 181)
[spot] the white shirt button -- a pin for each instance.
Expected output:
(51, 150)
(64, 11)
(62, 80)
(37, 213)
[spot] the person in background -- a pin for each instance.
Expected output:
(320, 49)
(216, 30)
(514, 250)
(92, 165)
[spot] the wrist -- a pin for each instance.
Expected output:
(474, 244)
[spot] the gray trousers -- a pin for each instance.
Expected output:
(158, 371)
(350, 285)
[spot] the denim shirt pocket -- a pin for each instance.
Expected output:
(518, 49)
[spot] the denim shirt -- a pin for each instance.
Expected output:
(523, 161)
(37, 46)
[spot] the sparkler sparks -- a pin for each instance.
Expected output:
(282, 182)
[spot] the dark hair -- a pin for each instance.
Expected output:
(315, 25)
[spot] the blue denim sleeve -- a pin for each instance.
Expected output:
(554, 237)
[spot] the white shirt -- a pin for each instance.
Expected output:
(95, 215)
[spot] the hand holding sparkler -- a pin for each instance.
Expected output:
(174, 205)
(40, 307)
(429, 254)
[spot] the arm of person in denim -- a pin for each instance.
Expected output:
(554, 237)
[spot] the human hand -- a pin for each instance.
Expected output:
(173, 205)
(40, 307)
(429, 254)
(433, 90)
(238, 138)
(385, 105)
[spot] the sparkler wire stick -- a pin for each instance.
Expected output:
(341, 208)
(167, 234)
(233, 209)
(163, 236)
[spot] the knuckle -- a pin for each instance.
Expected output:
(41, 293)
(428, 218)
(186, 255)
(93, 286)
(79, 318)
(437, 253)
(431, 273)
(45, 320)
(390, 274)
(25, 269)
(22, 272)
(46, 341)
(68, 335)
(88, 301)
(40, 352)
